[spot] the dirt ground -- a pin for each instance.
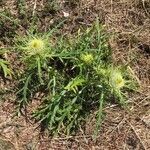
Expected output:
(128, 22)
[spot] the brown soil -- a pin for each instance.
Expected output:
(128, 21)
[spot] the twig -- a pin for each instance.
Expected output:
(111, 6)
(143, 2)
(34, 7)
(69, 137)
(84, 136)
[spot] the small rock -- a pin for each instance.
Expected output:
(65, 14)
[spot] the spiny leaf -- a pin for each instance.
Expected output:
(74, 84)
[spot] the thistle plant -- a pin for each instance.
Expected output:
(117, 82)
(35, 51)
(73, 73)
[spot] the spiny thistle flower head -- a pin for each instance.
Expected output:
(36, 44)
(116, 79)
(87, 58)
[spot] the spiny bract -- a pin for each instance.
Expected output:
(36, 44)
(116, 79)
(87, 58)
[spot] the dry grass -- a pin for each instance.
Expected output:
(129, 23)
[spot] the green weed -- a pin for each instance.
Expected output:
(76, 75)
